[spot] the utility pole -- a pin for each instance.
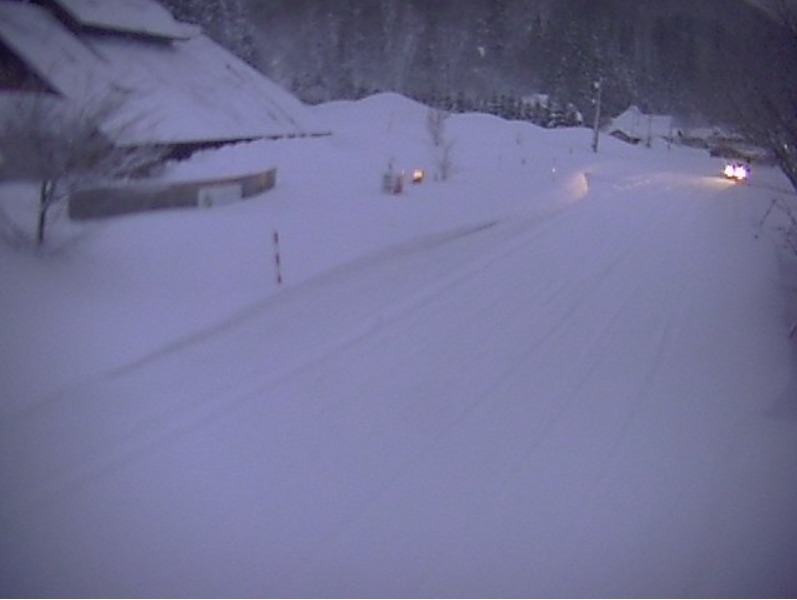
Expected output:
(598, 87)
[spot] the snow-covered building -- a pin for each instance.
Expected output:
(176, 87)
(634, 126)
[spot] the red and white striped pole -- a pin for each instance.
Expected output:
(277, 262)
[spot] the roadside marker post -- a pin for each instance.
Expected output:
(277, 260)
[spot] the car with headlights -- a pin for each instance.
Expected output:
(736, 171)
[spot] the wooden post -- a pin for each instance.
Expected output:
(277, 260)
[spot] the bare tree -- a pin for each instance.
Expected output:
(442, 146)
(783, 105)
(786, 13)
(63, 146)
(763, 107)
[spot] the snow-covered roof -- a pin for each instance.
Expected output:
(144, 17)
(638, 124)
(49, 49)
(197, 90)
(181, 91)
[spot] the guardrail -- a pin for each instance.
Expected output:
(108, 201)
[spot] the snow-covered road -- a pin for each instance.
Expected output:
(577, 402)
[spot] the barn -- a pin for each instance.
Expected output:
(174, 87)
(634, 126)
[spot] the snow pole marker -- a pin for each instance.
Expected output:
(277, 260)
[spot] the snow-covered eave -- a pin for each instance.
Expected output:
(143, 34)
(130, 142)
(137, 17)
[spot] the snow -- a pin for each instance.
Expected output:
(638, 124)
(228, 98)
(558, 373)
(131, 16)
(153, 82)
(53, 53)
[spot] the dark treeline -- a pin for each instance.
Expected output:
(662, 56)
(665, 56)
(721, 60)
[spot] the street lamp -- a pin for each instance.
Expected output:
(598, 87)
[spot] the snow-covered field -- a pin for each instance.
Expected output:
(556, 374)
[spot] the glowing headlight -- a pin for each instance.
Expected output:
(735, 171)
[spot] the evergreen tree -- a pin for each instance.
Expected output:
(228, 22)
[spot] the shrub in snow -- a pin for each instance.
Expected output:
(441, 145)
(63, 146)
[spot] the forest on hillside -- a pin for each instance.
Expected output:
(719, 61)
(662, 56)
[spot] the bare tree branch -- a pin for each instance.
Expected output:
(442, 147)
(62, 146)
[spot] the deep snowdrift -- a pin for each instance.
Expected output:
(558, 373)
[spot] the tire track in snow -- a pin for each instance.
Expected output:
(585, 294)
(247, 314)
(127, 441)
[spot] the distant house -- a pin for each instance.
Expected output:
(633, 126)
(179, 88)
